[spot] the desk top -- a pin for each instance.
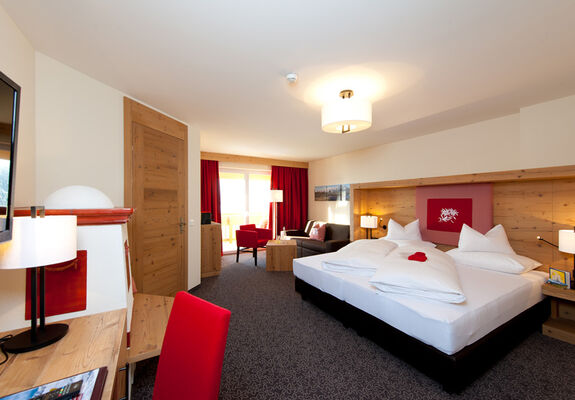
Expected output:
(92, 342)
(149, 321)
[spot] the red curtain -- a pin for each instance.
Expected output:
(211, 189)
(292, 212)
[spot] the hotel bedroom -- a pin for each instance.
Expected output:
(469, 108)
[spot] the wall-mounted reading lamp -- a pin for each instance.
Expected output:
(566, 243)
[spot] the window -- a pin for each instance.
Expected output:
(244, 199)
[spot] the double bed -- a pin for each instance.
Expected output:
(452, 343)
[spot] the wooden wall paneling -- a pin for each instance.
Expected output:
(563, 216)
(251, 160)
(398, 204)
(525, 209)
(359, 202)
(562, 172)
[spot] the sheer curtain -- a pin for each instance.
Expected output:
(292, 212)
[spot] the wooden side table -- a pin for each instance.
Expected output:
(561, 324)
(280, 255)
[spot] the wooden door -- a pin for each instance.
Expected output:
(157, 190)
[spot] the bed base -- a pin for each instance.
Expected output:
(453, 372)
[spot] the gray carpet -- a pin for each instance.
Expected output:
(280, 347)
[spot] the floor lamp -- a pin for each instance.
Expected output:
(37, 242)
(277, 196)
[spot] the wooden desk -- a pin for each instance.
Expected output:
(93, 341)
(149, 322)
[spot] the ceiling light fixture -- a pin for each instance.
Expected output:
(347, 114)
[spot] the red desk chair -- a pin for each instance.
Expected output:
(250, 237)
(192, 356)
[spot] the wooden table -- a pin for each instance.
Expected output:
(92, 342)
(280, 255)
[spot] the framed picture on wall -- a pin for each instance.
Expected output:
(345, 191)
(332, 192)
(320, 193)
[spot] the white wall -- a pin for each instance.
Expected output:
(17, 62)
(194, 207)
(542, 135)
(71, 132)
(79, 132)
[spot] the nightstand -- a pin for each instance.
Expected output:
(561, 324)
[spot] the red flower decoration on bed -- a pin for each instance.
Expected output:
(418, 256)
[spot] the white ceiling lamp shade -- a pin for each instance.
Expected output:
(346, 114)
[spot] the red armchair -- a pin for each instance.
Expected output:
(250, 237)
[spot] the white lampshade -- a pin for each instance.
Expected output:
(567, 241)
(368, 221)
(277, 196)
(39, 241)
(348, 111)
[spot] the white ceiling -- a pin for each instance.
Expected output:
(220, 64)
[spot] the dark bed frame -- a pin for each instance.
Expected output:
(455, 371)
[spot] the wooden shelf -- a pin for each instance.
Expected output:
(558, 292)
(149, 321)
(560, 328)
(561, 324)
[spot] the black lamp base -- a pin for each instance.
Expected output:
(23, 342)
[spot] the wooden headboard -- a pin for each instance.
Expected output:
(527, 203)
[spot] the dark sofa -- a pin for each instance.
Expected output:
(336, 236)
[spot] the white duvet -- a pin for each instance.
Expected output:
(436, 278)
(360, 257)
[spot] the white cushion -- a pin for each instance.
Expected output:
(397, 232)
(493, 241)
(502, 262)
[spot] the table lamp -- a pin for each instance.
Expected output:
(36, 242)
(368, 222)
(277, 196)
(567, 245)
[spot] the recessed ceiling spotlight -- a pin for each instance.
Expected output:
(291, 77)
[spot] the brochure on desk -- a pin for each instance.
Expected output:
(87, 385)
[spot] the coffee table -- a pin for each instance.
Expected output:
(280, 255)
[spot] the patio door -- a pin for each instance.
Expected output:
(244, 199)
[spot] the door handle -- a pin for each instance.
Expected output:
(182, 225)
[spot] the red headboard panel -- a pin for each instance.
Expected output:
(443, 209)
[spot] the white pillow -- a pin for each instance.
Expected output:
(403, 243)
(434, 279)
(502, 262)
(397, 232)
(493, 241)
(356, 247)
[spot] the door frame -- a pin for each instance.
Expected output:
(135, 112)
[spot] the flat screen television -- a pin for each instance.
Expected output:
(9, 109)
